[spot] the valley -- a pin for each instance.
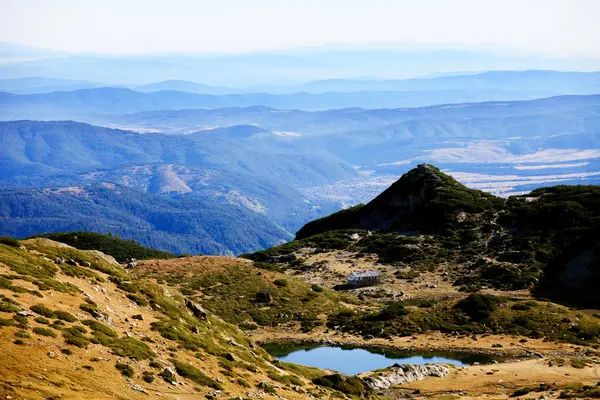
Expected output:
(502, 294)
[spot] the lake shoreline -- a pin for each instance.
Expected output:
(509, 351)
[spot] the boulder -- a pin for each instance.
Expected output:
(168, 374)
(400, 374)
(196, 309)
(263, 296)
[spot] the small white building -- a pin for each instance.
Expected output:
(364, 278)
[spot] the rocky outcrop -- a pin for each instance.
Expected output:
(400, 374)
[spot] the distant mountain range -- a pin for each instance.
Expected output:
(287, 68)
(280, 169)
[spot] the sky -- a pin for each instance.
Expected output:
(551, 27)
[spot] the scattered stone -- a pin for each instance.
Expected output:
(139, 317)
(87, 264)
(196, 309)
(195, 329)
(24, 313)
(400, 374)
(51, 354)
(138, 388)
(168, 375)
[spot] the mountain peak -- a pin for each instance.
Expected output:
(424, 199)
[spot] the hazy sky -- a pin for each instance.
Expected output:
(556, 27)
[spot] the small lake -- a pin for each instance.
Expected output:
(352, 360)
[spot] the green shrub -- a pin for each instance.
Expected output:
(64, 316)
(22, 335)
(19, 341)
(264, 386)
(66, 351)
(148, 376)
(137, 299)
(43, 331)
(9, 241)
(155, 364)
(7, 322)
(125, 369)
(316, 288)
(41, 320)
(242, 383)
(350, 385)
(478, 306)
(42, 310)
(189, 371)
(8, 308)
(280, 282)
(91, 309)
(75, 337)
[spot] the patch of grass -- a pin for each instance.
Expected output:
(64, 316)
(266, 387)
(8, 307)
(19, 341)
(22, 335)
(7, 322)
(98, 327)
(75, 337)
(41, 320)
(44, 331)
(66, 351)
(155, 364)
(91, 309)
(10, 241)
(21, 321)
(189, 371)
(121, 249)
(125, 369)
(350, 385)
(580, 362)
(242, 383)
(130, 348)
(287, 379)
(42, 310)
(137, 299)
(148, 376)
(280, 282)
(6, 283)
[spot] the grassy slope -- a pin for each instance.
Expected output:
(122, 250)
(81, 330)
(530, 241)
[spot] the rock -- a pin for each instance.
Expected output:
(195, 329)
(87, 264)
(70, 261)
(196, 309)
(229, 357)
(131, 264)
(59, 260)
(24, 313)
(400, 374)
(51, 354)
(138, 388)
(263, 296)
(138, 317)
(168, 375)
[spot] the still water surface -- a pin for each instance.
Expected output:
(350, 361)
